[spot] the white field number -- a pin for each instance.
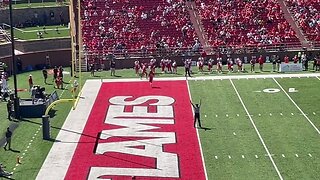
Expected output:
(275, 90)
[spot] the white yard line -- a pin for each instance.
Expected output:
(203, 163)
(297, 107)
(218, 77)
(257, 131)
(317, 77)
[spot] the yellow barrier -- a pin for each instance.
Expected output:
(57, 102)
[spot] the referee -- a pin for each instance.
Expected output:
(196, 109)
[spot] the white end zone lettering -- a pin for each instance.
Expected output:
(138, 123)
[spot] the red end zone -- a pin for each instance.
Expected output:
(142, 131)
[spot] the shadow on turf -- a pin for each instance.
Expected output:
(5, 177)
(204, 128)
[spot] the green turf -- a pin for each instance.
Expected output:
(31, 32)
(287, 134)
(37, 5)
(283, 134)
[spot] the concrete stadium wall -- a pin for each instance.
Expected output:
(43, 44)
(5, 49)
(27, 15)
(38, 59)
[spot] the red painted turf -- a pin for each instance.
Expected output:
(187, 147)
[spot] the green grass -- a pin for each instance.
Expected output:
(283, 134)
(30, 33)
(287, 134)
(37, 5)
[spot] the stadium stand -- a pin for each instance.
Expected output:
(237, 23)
(121, 25)
(307, 15)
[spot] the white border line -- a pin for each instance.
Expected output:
(199, 141)
(218, 77)
(297, 106)
(257, 131)
(56, 163)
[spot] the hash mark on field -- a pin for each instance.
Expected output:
(227, 115)
(292, 114)
(23, 154)
(242, 156)
(216, 157)
(256, 156)
(310, 155)
(296, 155)
(234, 133)
(270, 114)
(238, 115)
(283, 155)
(259, 114)
(216, 115)
(229, 157)
(281, 114)
(314, 113)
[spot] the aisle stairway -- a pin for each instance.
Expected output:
(195, 19)
(303, 40)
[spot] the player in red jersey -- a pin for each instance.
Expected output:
(219, 65)
(137, 67)
(230, 64)
(240, 65)
(151, 75)
(144, 71)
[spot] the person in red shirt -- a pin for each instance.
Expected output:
(286, 59)
(261, 61)
(151, 75)
(295, 59)
(210, 62)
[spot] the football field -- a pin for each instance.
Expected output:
(265, 128)
(253, 127)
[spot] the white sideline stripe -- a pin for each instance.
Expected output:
(317, 77)
(217, 77)
(257, 131)
(76, 120)
(297, 107)
(199, 141)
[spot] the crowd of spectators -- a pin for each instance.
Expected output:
(121, 25)
(307, 15)
(245, 22)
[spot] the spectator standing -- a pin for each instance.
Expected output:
(278, 62)
(261, 61)
(253, 64)
(45, 75)
(187, 68)
(113, 67)
(55, 73)
(8, 139)
(92, 69)
(33, 94)
(30, 80)
(60, 72)
(9, 109)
